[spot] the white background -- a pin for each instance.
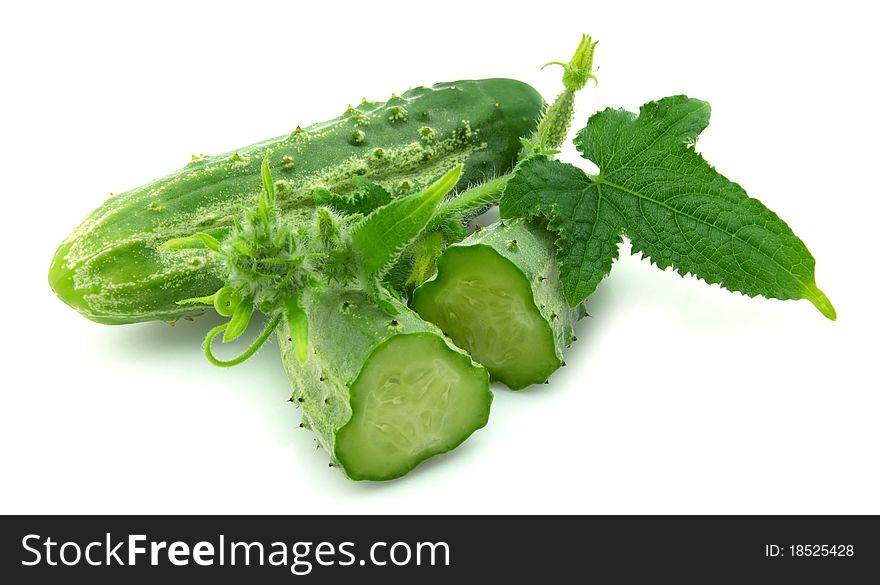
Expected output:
(680, 397)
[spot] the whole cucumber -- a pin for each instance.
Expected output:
(132, 258)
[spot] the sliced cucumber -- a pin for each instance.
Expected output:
(497, 295)
(411, 401)
(382, 393)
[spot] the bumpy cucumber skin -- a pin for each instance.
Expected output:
(345, 329)
(114, 269)
(530, 248)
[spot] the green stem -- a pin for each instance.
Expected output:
(258, 342)
(470, 202)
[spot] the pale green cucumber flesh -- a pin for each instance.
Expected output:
(484, 302)
(413, 399)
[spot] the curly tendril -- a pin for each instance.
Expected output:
(207, 345)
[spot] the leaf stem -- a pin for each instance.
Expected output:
(470, 202)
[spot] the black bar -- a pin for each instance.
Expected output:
(540, 549)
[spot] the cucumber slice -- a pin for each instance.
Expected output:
(497, 295)
(382, 393)
(410, 402)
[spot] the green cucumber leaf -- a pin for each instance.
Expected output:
(587, 237)
(239, 321)
(367, 197)
(381, 236)
(210, 241)
(675, 208)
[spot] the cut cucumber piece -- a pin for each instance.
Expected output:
(382, 393)
(497, 294)
(410, 402)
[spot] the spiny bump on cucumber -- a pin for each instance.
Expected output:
(358, 137)
(360, 118)
(298, 135)
(465, 133)
(397, 114)
(427, 135)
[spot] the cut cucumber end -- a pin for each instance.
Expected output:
(414, 398)
(485, 304)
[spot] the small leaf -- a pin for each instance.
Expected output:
(284, 239)
(225, 301)
(298, 324)
(381, 236)
(368, 196)
(326, 228)
(241, 317)
(243, 248)
(194, 242)
(268, 184)
(266, 203)
(427, 250)
(206, 300)
(323, 196)
(382, 297)
(210, 241)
